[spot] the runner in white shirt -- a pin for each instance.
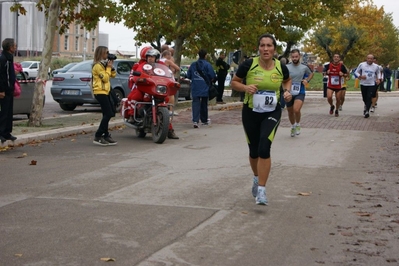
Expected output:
(369, 76)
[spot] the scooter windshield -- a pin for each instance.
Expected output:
(157, 69)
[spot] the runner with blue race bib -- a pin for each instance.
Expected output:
(297, 73)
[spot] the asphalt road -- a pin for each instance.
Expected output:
(333, 195)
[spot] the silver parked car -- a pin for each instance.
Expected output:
(63, 69)
(72, 88)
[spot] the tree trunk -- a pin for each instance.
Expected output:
(178, 50)
(35, 119)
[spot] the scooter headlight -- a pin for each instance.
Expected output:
(162, 89)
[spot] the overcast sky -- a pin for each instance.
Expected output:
(121, 38)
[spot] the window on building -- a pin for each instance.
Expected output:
(77, 29)
(93, 42)
(66, 43)
(77, 43)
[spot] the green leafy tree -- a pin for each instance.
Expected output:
(362, 29)
(226, 25)
(60, 14)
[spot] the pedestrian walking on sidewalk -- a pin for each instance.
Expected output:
(201, 75)
(7, 81)
(261, 113)
(297, 72)
(102, 72)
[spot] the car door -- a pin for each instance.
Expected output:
(33, 70)
(23, 103)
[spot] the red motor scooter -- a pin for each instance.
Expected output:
(155, 81)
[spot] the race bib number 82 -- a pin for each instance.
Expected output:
(264, 101)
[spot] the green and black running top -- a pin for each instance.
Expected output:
(267, 80)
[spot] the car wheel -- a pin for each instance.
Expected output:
(68, 106)
(120, 96)
(26, 75)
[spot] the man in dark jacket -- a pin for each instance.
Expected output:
(7, 82)
(201, 75)
(222, 71)
(387, 77)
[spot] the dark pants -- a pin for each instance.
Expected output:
(200, 109)
(107, 112)
(389, 84)
(6, 115)
(367, 93)
(221, 80)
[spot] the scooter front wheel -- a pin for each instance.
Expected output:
(160, 129)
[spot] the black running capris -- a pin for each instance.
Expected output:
(260, 129)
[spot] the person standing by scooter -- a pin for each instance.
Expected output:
(102, 72)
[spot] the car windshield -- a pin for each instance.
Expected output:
(26, 64)
(69, 65)
(82, 67)
(157, 69)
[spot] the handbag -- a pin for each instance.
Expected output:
(213, 91)
(17, 89)
(115, 101)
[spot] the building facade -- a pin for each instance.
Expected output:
(29, 32)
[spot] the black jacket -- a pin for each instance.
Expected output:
(222, 67)
(7, 73)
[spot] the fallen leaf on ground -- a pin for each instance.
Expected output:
(33, 162)
(107, 259)
(18, 255)
(304, 193)
(23, 155)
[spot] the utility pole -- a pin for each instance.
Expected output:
(84, 44)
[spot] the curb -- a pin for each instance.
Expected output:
(60, 133)
(85, 129)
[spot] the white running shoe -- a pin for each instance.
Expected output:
(261, 196)
(298, 129)
(254, 186)
(292, 131)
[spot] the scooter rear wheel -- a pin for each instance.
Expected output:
(161, 127)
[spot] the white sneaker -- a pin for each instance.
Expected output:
(372, 108)
(261, 196)
(254, 186)
(340, 108)
(292, 131)
(298, 129)
(195, 125)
